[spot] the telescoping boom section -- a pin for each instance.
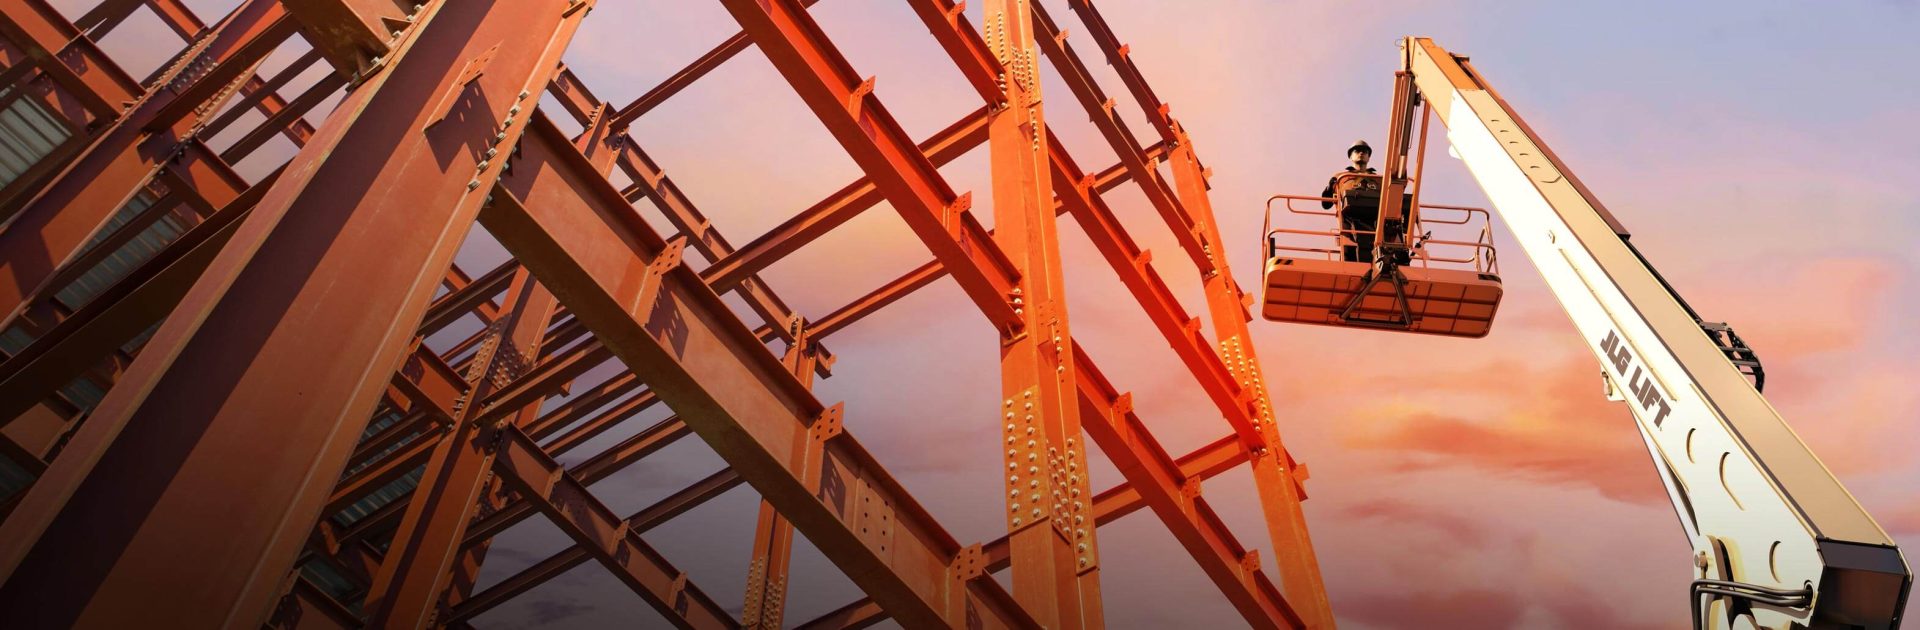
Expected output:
(1777, 542)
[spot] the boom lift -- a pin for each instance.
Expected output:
(1778, 543)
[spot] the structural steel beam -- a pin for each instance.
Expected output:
(1100, 110)
(619, 278)
(166, 526)
(607, 538)
(842, 206)
(1056, 569)
(1119, 56)
(652, 516)
(1175, 497)
(1203, 463)
(56, 223)
(1279, 479)
(802, 53)
(131, 306)
(622, 283)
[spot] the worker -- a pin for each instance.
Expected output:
(1356, 223)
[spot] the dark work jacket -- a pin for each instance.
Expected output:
(1329, 191)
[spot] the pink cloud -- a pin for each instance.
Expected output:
(1474, 608)
(1468, 531)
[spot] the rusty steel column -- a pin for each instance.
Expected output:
(772, 533)
(198, 480)
(1279, 479)
(1055, 564)
(417, 570)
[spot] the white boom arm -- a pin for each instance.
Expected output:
(1778, 542)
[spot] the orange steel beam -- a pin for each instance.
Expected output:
(120, 551)
(842, 206)
(647, 518)
(1110, 505)
(764, 423)
(1100, 110)
(927, 273)
(132, 305)
(1280, 480)
(847, 106)
(256, 94)
(1175, 497)
(68, 57)
(124, 157)
(1056, 568)
(426, 548)
(1233, 386)
(650, 181)
(1120, 58)
(772, 556)
(606, 537)
(1243, 409)
(808, 61)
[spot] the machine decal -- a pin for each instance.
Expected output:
(1645, 389)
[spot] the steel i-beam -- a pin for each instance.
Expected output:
(145, 517)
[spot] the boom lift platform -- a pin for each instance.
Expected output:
(1385, 269)
(1777, 542)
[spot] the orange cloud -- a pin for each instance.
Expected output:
(1562, 432)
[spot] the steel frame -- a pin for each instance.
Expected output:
(393, 464)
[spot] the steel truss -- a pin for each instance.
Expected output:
(217, 436)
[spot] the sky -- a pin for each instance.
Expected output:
(1760, 152)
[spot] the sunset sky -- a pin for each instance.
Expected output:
(1762, 153)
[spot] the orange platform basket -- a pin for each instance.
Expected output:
(1444, 287)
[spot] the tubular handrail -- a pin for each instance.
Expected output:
(1484, 257)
